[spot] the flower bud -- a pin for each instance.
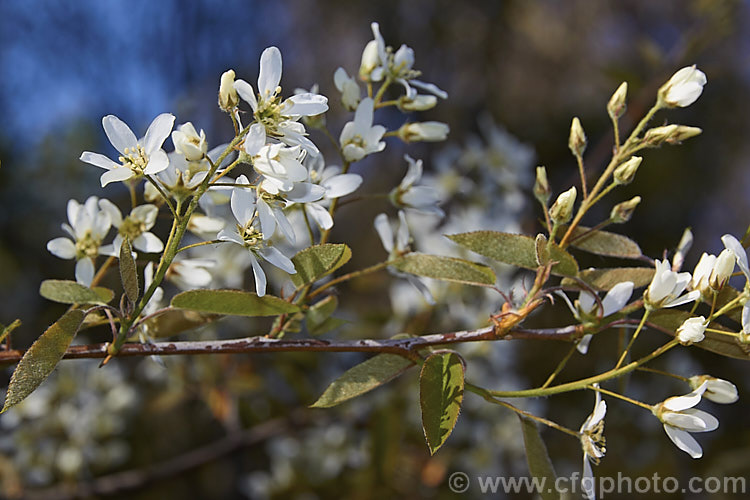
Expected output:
(625, 173)
(542, 192)
(228, 98)
(577, 139)
(671, 134)
(684, 88)
(722, 270)
(562, 210)
(622, 212)
(691, 330)
(188, 143)
(417, 103)
(616, 105)
(702, 274)
(370, 60)
(423, 131)
(717, 390)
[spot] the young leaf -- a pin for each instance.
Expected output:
(363, 378)
(128, 271)
(319, 319)
(232, 302)
(441, 392)
(317, 261)
(42, 357)
(515, 249)
(605, 243)
(446, 269)
(540, 466)
(69, 292)
(605, 279)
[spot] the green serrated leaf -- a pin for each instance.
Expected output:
(605, 279)
(725, 345)
(540, 466)
(128, 271)
(69, 292)
(363, 378)
(232, 302)
(446, 269)
(605, 243)
(42, 357)
(318, 261)
(515, 249)
(318, 318)
(441, 392)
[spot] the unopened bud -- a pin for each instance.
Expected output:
(625, 173)
(228, 98)
(417, 103)
(370, 60)
(722, 270)
(622, 212)
(423, 131)
(562, 210)
(684, 88)
(577, 139)
(616, 105)
(671, 134)
(542, 192)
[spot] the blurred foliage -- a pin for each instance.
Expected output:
(530, 65)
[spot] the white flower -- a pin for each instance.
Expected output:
(691, 330)
(593, 444)
(421, 198)
(702, 273)
(423, 131)
(271, 215)
(335, 185)
(717, 390)
(247, 234)
(722, 270)
(228, 99)
(189, 274)
(183, 177)
(666, 287)
(360, 137)
(731, 243)
(587, 307)
(680, 419)
(684, 88)
(88, 227)
(189, 143)
(396, 246)
(348, 87)
(280, 165)
(280, 117)
(139, 157)
(135, 226)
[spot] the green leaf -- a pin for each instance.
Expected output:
(42, 357)
(515, 249)
(128, 271)
(105, 294)
(605, 243)
(318, 318)
(446, 269)
(69, 292)
(540, 466)
(441, 392)
(232, 302)
(318, 261)
(363, 378)
(605, 279)
(725, 345)
(175, 321)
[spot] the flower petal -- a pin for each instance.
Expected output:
(306, 105)
(119, 134)
(116, 174)
(684, 441)
(85, 271)
(270, 71)
(260, 277)
(383, 228)
(278, 259)
(62, 247)
(158, 132)
(98, 160)
(149, 243)
(246, 92)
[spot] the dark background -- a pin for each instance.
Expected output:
(531, 65)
